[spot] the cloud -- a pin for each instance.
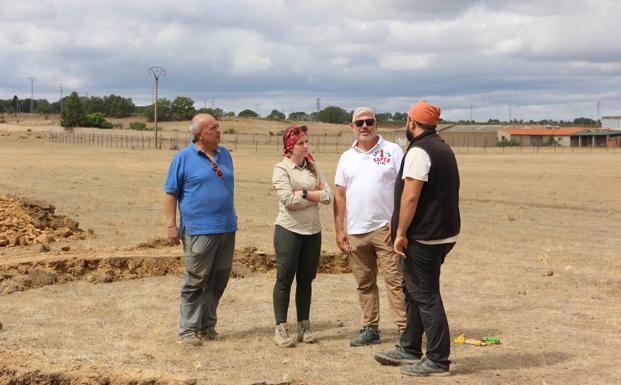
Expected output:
(562, 55)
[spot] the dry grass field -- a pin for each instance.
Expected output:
(538, 265)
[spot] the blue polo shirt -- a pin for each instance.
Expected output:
(205, 199)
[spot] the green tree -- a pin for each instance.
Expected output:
(215, 112)
(15, 103)
(72, 111)
(164, 111)
(43, 107)
(118, 106)
(585, 122)
(300, 115)
(248, 114)
(182, 108)
(96, 119)
(400, 116)
(275, 114)
(334, 114)
(383, 117)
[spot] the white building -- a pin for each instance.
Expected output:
(612, 122)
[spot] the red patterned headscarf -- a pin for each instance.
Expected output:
(290, 137)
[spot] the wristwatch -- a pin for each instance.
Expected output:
(304, 194)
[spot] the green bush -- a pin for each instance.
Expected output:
(507, 143)
(139, 126)
(229, 131)
(96, 119)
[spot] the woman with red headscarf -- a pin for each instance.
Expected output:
(301, 186)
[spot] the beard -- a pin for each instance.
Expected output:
(409, 135)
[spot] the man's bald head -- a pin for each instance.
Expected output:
(201, 121)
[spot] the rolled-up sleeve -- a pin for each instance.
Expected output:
(325, 196)
(282, 184)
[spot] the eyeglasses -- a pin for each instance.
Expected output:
(216, 168)
(361, 122)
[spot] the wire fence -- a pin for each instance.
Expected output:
(269, 143)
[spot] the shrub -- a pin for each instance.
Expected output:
(140, 126)
(507, 143)
(96, 119)
(229, 131)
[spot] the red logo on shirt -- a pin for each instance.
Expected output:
(382, 158)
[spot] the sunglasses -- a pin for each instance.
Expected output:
(219, 172)
(361, 122)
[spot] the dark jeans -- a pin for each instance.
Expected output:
(297, 256)
(424, 307)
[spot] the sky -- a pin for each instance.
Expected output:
(489, 59)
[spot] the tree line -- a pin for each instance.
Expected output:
(92, 112)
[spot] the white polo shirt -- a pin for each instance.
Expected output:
(369, 179)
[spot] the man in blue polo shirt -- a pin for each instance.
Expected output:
(200, 182)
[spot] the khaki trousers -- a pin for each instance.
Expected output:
(368, 252)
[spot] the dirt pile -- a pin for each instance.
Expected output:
(25, 221)
(259, 261)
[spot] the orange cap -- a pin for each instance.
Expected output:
(425, 113)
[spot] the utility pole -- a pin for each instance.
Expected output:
(61, 97)
(318, 104)
(510, 114)
(471, 112)
(598, 105)
(157, 71)
(31, 93)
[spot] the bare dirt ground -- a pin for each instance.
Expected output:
(537, 265)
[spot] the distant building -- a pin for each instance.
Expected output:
(612, 122)
(539, 136)
(565, 137)
(469, 135)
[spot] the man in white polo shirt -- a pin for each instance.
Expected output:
(365, 180)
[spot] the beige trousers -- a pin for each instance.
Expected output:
(368, 252)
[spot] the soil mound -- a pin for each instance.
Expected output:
(26, 221)
(259, 261)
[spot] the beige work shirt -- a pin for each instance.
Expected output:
(294, 214)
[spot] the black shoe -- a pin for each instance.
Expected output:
(396, 357)
(367, 336)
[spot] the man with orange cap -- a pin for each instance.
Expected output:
(425, 226)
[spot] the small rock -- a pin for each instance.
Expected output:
(90, 278)
(64, 232)
(65, 248)
(340, 324)
(259, 252)
(4, 242)
(43, 239)
(44, 248)
(0, 325)
(550, 273)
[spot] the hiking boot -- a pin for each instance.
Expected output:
(209, 334)
(304, 333)
(399, 356)
(367, 336)
(281, 336)
(190, 340)
(425, 367)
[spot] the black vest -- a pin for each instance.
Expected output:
(437, 212)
